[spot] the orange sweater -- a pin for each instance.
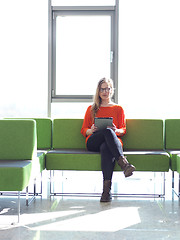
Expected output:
(114, 111)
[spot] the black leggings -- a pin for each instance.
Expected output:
(107, 143)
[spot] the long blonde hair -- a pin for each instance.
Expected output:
(97, 99)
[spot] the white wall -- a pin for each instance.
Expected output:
(150, 58)
(23, 58)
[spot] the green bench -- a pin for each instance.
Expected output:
(44, 144)
(44, 141)
(17, 155)
(150, 144)
(23, 145)
(172, 145)
(143, 145)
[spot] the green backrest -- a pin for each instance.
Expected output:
(143, 134)
(66, 133)
(172, 134)
(44, 133)
(17, 139)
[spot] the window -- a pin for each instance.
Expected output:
(83, 48)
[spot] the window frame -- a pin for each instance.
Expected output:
(54, 12)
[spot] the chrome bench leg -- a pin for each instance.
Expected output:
(19, 206)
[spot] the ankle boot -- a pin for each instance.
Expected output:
(106, 195)
(126, 166)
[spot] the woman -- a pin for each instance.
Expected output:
(106, 141)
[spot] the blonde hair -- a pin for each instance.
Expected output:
(97, 99)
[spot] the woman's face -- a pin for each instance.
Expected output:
(105, 91)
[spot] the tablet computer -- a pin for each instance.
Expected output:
(103, 122)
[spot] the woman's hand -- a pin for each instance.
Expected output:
(91, 130)
(119, 132)
(113, 127)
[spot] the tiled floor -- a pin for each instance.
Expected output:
(71, 218)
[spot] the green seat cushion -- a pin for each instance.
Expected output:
(41, 156)
(178, 163)
(173, 159)
(143, 134)
(172, 134)
(73, 159)
(66, 133)
(38, 164)
(14, 175)
(17, 139)
(79, 159)
(154, 161)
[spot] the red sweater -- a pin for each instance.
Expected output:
(114, 111)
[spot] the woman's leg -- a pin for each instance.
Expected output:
(107, 143)
(107, 166)
(97, 143)
(114, 145)
(106, 135)
(107, 162)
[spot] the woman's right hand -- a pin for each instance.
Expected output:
(91, 130)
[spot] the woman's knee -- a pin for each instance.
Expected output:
(103, 147)
(109, 134)
(108, 131)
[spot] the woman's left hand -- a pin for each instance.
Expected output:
(113, 127)
(119, 132)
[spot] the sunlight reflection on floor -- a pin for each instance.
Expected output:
(101, 221)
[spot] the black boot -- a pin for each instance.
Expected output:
(126, 166)
(106, 195)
